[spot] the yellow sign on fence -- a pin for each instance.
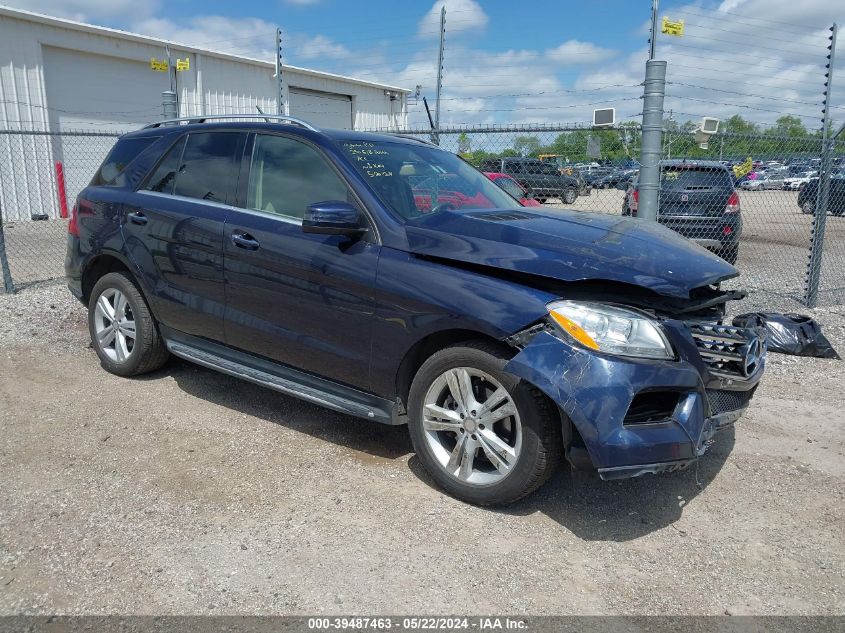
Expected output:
(675, 28)
(158, 65)
(743, 168)
(183, 64)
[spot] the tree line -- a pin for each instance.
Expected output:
(738, 139)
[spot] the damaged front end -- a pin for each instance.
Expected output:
(647, 407)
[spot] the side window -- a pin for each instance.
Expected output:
(123, 153)
(286, 176)
(208, 170)
(164, 176)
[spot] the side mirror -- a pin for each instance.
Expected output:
(332, 217)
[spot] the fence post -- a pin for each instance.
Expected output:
(652, 138)
(814, 266)
(439, 75)
(8, 285)
(168, 105)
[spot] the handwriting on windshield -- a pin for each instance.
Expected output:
(367, 157)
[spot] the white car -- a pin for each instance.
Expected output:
(795, 183)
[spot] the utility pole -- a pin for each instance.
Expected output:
(281, 103)
(439, 75)
(169, 98)
(814, 266)
(652, 141)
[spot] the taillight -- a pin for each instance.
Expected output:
(73, 225)
(733, 203)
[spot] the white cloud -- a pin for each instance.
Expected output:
(461, 15)
(252, 37)
(317, 47)
(87, 10)
(574, 52)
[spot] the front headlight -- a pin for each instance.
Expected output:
(611, 329)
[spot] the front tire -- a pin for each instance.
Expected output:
(484, 435)
(123, 331)
(570, 195)
(808, 208)
(730, 253)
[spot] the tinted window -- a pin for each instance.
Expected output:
(208, 170)
(687, 178)
(123, 153)
(287, 176)
(164, 175)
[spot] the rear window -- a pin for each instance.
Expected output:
(123, 153)
(686, 178)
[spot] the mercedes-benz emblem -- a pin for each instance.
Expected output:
(752, 357)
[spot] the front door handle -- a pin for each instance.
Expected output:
(138, 217)
(245, 241)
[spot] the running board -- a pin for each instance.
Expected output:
(284, 380)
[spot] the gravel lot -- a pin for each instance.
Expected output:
(188, 492)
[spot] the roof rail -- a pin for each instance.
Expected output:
(207, 117)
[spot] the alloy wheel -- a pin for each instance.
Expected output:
(472, 426)
(114, 325)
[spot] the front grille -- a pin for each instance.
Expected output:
(729, 352)
(722, 400)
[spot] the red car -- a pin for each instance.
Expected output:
(511, 186)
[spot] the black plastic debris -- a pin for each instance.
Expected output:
(794, 334)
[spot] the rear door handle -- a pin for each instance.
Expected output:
(137, 218)
(245, 241)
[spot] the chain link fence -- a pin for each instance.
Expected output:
(750, 198)
(41, 173)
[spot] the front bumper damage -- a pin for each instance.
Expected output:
(599, 393)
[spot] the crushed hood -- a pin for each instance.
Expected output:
(570, 246)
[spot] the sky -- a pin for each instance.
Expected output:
(546, 61)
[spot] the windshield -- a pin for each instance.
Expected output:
(511, 187)
(416, 179)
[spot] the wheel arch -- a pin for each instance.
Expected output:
(101, 265)
(428, 345)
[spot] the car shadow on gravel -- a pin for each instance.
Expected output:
(363, 438)
(590, 508)
(623, 510)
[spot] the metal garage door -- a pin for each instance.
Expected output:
(323, 109)
(95, 93)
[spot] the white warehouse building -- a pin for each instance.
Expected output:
(57, 75)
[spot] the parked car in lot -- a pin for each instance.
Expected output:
(507, 338)
(512, 187)
(766, 181)
(615, 178)
(698, 200)
(836, 199)
(797, 182)
(542, 179)
(567, 169)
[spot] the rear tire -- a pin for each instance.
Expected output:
(469, 446)
(123, 331)
(730, 253)
(808, 208)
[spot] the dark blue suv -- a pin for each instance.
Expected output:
(383, 277)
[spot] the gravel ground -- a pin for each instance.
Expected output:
(188, 492)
